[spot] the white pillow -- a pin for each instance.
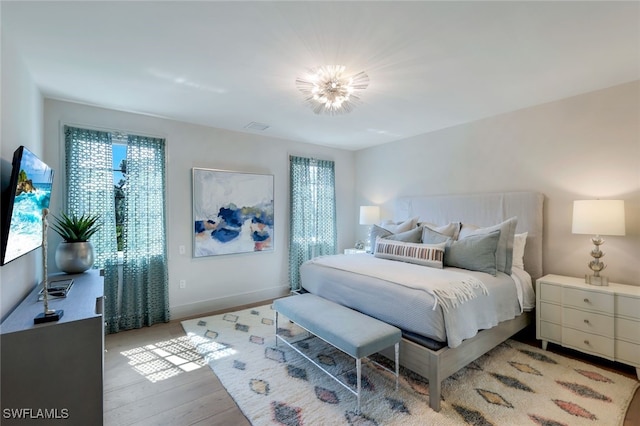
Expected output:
(451, 229)
(519, 242)
(398, 227)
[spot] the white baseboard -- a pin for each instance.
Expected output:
(227, 302)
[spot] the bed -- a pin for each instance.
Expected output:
(442, 334)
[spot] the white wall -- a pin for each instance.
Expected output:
(21, 125)
(584, 147)
(587, 146)
(222, 281)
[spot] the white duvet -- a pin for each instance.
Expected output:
(370, 285)
(449, 288)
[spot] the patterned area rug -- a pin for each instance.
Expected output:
(514, 384)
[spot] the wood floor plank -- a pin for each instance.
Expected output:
(198, 398)
(233, 417)
(139, 390)
(217, 405)
(162, 399)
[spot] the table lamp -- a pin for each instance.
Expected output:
(598, 217)
(369, 215)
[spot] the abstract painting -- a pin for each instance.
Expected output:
(232, 212)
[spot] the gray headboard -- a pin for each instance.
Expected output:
(484, 210)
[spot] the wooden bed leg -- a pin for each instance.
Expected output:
(434, 383)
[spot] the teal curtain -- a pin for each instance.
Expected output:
(89, 181)
(145, 294)
(313, 213)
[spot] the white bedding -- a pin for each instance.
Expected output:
(412, 309)
(448, 287)
(524, 286)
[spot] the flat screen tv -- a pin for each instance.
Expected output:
(28, 193)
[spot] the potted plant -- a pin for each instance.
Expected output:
(75, 254)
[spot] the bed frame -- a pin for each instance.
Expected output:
(483, 210)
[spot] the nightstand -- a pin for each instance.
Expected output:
(353, 251)
(601, 321)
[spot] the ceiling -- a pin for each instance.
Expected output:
(225, 64)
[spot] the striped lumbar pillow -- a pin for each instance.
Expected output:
(420, 254)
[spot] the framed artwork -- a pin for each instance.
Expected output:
(232, 212)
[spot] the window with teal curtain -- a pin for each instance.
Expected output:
(313, 213)
(89, 181)
(141, 298)
(145, 297)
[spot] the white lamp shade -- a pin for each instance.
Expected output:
(369, 215)
(598, 217)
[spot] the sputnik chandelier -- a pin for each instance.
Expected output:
(329, 91)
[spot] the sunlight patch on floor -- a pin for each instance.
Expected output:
(210, 349)
(163, 360)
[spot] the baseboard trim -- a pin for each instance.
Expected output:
(228, 302)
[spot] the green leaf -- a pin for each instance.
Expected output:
(74, 229)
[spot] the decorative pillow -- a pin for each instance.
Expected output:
(412, 236)
(397, 227)
(429, 236)
(451, 230)
(377, 231)
(504, 254)
(421, 254)
(519, 242)
(475, 252)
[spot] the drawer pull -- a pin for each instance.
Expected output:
(586, 321)
(586, 300)
(586, 342)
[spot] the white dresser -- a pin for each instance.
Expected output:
(602, 321)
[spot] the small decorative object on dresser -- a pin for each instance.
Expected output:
(354, 251)
(48, 315)
(601, 321)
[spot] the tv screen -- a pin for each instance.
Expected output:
(28, 193)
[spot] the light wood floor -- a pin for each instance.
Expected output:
(155, 394)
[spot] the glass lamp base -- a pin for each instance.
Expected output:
(599, 280)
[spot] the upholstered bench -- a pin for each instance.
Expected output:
(352, 332)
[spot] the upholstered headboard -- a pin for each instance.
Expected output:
(484, 210)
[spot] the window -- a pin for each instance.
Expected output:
(119, 149)
(313, 213)
(121, 177)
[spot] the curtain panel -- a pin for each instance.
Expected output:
(141, 298)
(312, 213)
(89, 182)
(145, 294)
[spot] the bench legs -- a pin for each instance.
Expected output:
(359, 376)
(359, 372)
(397, 347)
(358, 365)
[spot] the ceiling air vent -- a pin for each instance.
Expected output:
(256, 126)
